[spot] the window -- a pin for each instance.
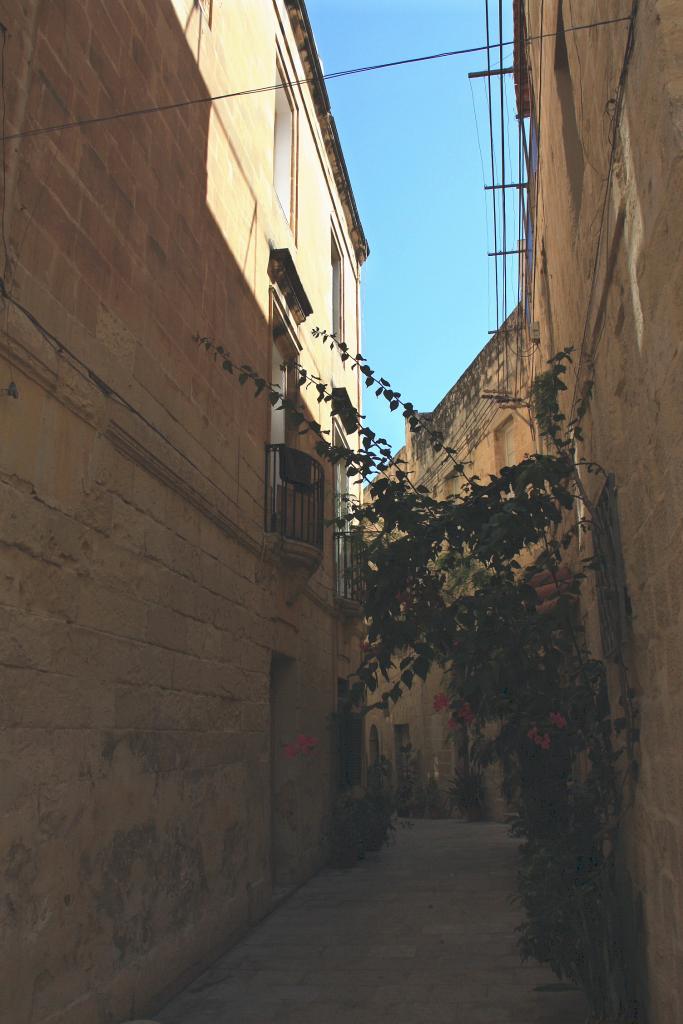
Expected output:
(294, 503)
(283, 152)
(505, 444)
(278, 379)
(452, 485)
(336, 278)
(341, 480)
(347, 551)
(284, 376)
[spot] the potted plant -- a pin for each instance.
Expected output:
(409, 799)
(376, 808)
(434, 799)
(346, 839)
(467, 792)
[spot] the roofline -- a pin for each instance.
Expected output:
(482, 354)
(305, 40)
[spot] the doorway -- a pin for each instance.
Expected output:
(284, 805)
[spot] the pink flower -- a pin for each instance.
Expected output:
(541, 740)
(302, 745)
(558, 720)
(466, 713)
(440, 702)
(453, 724)
(306, 744)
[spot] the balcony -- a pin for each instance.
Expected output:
(295, 501)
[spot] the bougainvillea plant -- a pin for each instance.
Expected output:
(301, 747)
(478, 584)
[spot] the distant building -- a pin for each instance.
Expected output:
(485, 416)
(175, 612)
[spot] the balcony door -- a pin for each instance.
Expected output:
(284, 374)
(278, 379)
(343, 550)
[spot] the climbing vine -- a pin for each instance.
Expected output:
(478, 583)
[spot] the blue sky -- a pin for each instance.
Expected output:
(410, 142)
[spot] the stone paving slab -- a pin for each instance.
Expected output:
(422, 933)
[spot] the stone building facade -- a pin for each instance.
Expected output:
(170, 611)
(485, 417)
(603, 110)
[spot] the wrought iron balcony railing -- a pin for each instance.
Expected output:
(348, 565)
(295, 495)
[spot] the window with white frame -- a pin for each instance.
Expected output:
(284, 377)
(283, 149)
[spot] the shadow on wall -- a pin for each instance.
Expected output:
(152, 835)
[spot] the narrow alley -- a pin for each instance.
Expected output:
(423, 931)
(341, 481)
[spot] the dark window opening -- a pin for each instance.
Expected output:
(613, 602)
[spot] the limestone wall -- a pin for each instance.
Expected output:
(144, 612)
(608, 281)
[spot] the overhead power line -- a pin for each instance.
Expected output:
(180, 104)
(493, 170)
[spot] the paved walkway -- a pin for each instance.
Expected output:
(423, 932)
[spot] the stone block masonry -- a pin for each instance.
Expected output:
(143, 607)
(607, 279)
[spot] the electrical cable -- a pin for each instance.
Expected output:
(521, 265)
(483, 428)
(493, 168)
(483, 181)
(503, 182)
(457, 443)
(531, 178)
(537, 175)
(162, 108)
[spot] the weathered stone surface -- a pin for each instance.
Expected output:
(423, 932)
(139, 598)
(608, 280)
